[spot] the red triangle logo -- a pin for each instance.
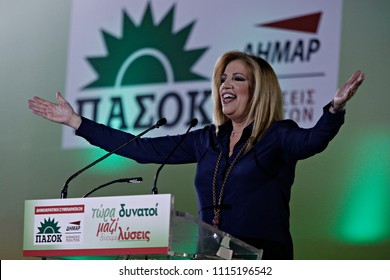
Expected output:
(306, 23)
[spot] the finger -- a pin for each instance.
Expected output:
(358, 82)
(43, 102)
(39, 113)
(37, 108)
(354, 77)
(59, 97)
(32, 105)
(37, 99)
(35, 105)
(361, 78)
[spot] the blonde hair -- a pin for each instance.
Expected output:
(266, 104)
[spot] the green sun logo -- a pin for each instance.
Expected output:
(146, 54)
(49, 226)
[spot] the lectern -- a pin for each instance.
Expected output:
(124, 227)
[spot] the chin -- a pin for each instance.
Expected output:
(227, 114)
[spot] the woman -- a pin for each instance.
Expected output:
(245, 160)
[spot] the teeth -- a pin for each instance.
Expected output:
(228, 96)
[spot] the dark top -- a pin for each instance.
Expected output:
(256, 199)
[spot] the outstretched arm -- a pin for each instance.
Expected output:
(346, 92)
(62, 112)
(303, 143)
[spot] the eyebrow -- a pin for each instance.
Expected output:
(236, 73)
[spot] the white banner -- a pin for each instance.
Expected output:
(131, 63)
(98, 226)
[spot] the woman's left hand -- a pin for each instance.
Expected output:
(347, 91)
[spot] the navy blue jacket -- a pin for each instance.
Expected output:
(257, 193)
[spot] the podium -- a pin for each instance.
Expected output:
(125, 227)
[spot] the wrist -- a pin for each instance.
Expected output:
(74, 121)
(336, 108)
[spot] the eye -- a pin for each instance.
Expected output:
(223, 79)
(239, 78)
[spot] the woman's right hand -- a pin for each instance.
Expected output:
(62, 112)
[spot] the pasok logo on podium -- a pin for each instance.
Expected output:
(48, 233)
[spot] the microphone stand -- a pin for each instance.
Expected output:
(64, 191)
(193, 123)
(124, 180)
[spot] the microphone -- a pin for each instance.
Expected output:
(193, 123)
(64, 191)
(123, 180)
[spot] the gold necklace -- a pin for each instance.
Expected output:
(217, 206)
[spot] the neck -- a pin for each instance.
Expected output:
(238, 128)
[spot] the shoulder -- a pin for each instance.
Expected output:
(278, 132)
(285, 123)
(283, 126)
(202, 139)
(204, 134)
(203, 131)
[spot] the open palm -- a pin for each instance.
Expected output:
(59, 113)
(347, 91)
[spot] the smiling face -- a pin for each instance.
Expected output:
(234, 91)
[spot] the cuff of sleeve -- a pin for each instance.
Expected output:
(83, 125)
(337, 112)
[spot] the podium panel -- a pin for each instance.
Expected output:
(98, 226)
(125, 227)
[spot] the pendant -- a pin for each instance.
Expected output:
(215, 222)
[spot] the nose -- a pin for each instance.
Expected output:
(227, 84)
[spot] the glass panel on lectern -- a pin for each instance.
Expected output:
(194, 239)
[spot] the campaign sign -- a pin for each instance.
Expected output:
(100, 226)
